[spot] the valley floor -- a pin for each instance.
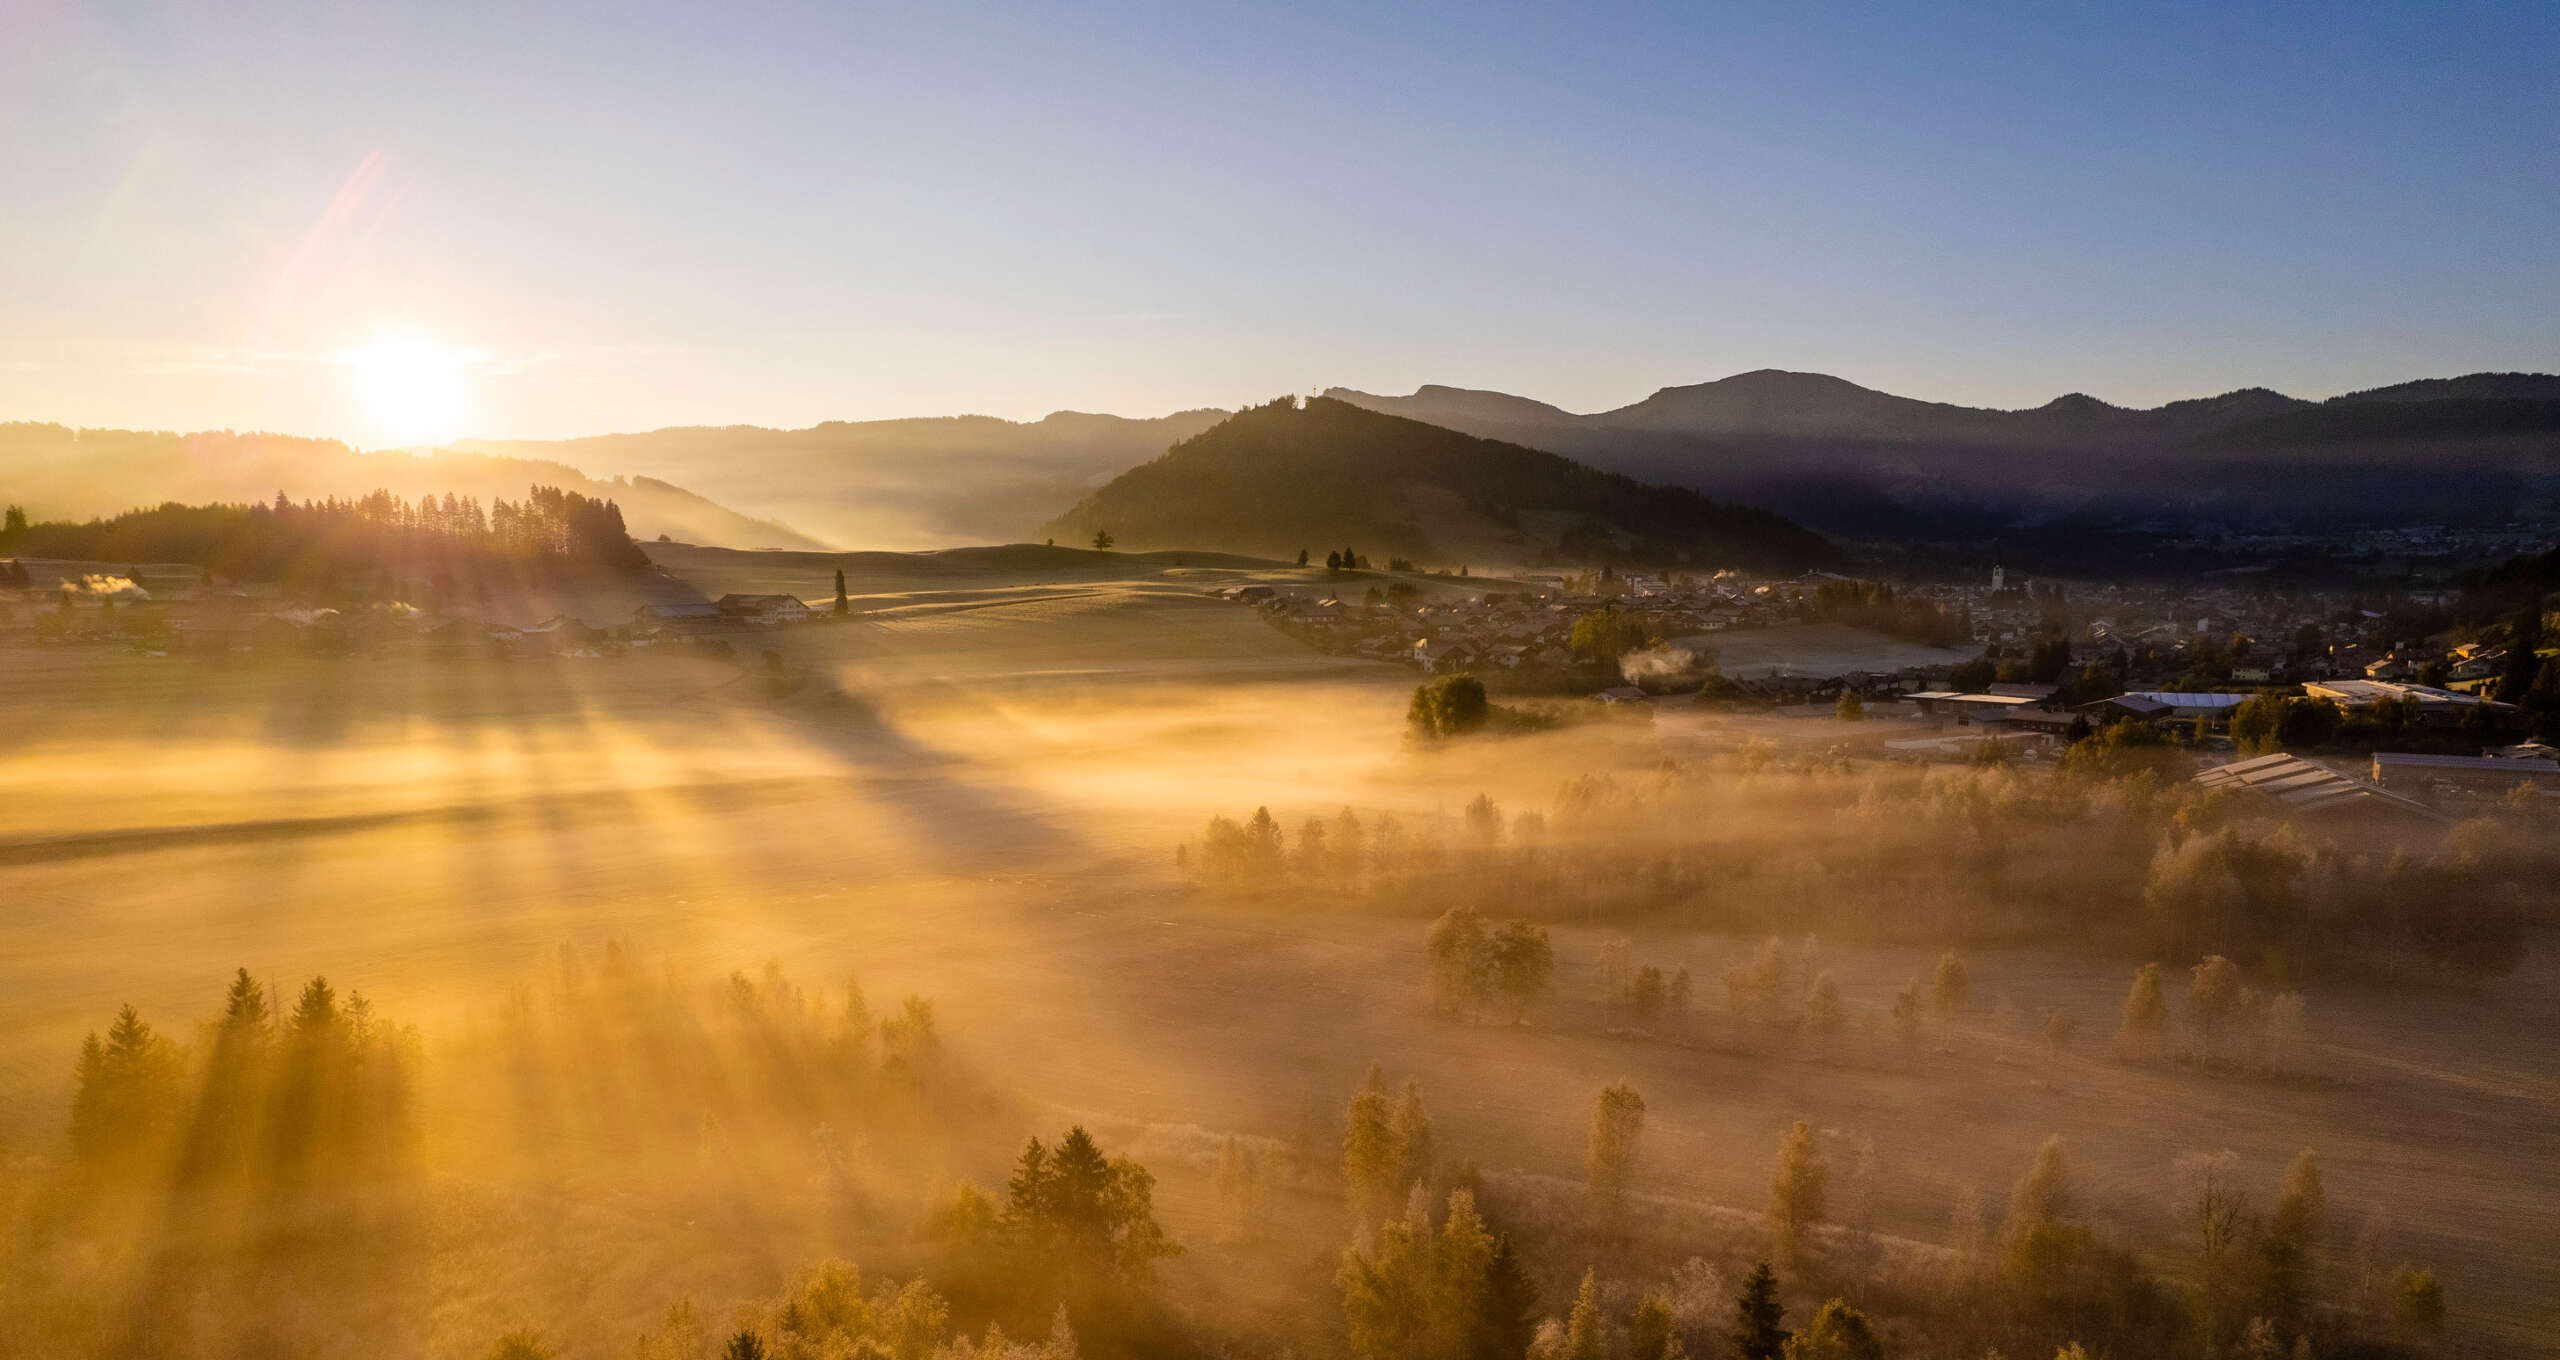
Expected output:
(973, 793)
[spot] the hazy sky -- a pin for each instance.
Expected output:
(572, 220)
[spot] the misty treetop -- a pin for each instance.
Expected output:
(319, 541)
(320, 1091)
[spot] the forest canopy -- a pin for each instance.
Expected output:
(314, 540)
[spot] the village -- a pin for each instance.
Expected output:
(2006, 670)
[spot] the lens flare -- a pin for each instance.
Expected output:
(412, 389)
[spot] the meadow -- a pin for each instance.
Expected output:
(986, 791)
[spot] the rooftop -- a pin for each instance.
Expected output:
(2175, 699)
(2305, 786)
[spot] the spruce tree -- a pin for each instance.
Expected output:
(1509, 1319)
(1586, 1333)
(1757, 1314)
(1411, 1130)
(1462, 1278)
(1371, 1159)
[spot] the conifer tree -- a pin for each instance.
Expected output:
(1757, 1315)
(128, 1091)
(1586, 1335)
(1371, 1158)
(1411, 1130)
(1651, 1330)
(1510, 1316)
(1462, 1278)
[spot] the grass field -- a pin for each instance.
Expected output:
(975, 796)
(1815, 649)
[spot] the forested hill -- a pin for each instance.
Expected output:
(1276, 478)
(320, 543)
(64, 474)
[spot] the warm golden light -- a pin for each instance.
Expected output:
(413, 390)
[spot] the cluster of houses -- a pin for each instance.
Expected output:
(2155, 633)
(1511, 630)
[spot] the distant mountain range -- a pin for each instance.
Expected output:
(1853, 461)
(65, 474)
(1277, 478)
(1849, 462)
(893, 484)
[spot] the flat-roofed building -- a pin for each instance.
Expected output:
(2294, 785)
(2407, 770)
(2436, 707)
(1970, 708)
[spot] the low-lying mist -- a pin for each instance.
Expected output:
(632, 1011)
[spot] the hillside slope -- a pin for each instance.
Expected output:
(60, 473)
(2481, 449)
(888, 484)
(1280, 477)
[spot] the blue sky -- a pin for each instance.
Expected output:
(620, 217)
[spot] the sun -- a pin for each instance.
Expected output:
(412, 389)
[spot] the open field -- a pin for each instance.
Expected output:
(1814, 649)
(974, 795)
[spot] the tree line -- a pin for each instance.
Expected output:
(325, 539)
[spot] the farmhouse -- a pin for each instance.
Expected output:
(764, 608)
(1438, 655)
(693, 615)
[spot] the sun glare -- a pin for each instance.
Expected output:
(413, 390)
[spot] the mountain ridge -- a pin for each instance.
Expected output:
(913, 482)
(1326, 474)
(1853, 461)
